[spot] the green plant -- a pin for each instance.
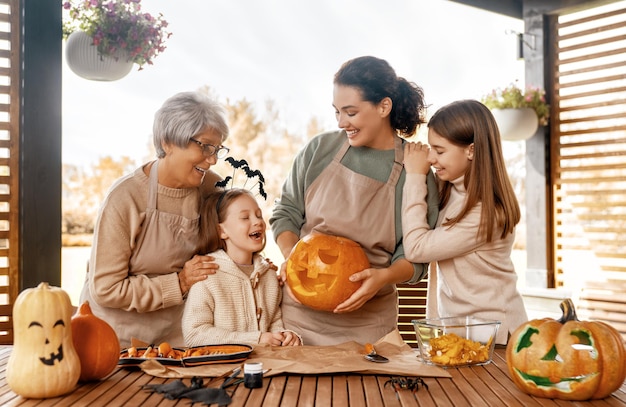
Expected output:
(512, 97)
(118, 25)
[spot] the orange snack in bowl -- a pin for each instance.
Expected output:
(451, 349)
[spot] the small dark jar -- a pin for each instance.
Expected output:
(253, 375)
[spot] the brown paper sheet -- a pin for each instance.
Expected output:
(344, 358)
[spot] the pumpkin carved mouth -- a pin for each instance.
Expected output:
(53, 357)
(565, 384)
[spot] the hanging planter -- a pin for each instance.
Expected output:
(106, 37)
(516, 124)
(518, 112)
(85, 61)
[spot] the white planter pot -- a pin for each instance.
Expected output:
(84, 60)
(516, 124)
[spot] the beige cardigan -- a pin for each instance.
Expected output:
(472, 277)
(225, 308)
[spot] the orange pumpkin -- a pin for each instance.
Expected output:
(95, 342)
(566, 359)
(319, 267)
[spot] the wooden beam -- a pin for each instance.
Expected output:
(40, 141)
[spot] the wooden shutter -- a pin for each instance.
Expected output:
(588, 159)
(412, 305)
(589, 145)
(9, 163)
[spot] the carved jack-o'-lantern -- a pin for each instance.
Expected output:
(567, 359)
(43, 362)
(319, 267)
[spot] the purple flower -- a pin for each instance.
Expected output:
(118, 24)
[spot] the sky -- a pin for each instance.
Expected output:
(288, 51)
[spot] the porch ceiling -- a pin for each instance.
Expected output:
(511, 8)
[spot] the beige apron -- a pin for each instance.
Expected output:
(344, 203)
(165, 243)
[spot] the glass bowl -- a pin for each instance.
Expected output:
(456, 341)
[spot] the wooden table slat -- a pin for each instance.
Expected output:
(292, 391)
(388, 394)
(275, 388)
(323, 392)
(340, 390)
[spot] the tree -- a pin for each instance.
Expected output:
(84, 191)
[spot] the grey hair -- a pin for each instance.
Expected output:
(183, 116)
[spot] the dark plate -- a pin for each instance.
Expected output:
(126, 361)
(228, 353)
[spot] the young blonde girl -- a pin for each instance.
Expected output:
(241, 302)
(478, 211)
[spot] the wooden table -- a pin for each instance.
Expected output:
(469, 386)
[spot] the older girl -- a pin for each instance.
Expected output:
(476, 226)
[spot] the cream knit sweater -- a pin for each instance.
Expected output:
(226, 308)
(472, 277)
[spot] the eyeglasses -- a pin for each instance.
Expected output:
(209, 149)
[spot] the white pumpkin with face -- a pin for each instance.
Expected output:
(43, 362)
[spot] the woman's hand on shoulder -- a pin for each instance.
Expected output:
(194, 270)
(372, 280)
(416, 158)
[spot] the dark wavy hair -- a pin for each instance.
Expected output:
(376, 80)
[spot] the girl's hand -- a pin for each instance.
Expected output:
(194, 270)
(272, 338)
(372, 280)
(416, 158)
(290, 339)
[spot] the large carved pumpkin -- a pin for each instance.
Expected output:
(567, 359)
(319, 267)
(96, 343)
(43, 362)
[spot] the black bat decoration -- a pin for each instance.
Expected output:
(250, 173)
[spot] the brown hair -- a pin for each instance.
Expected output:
(486, 180)
(212, 213)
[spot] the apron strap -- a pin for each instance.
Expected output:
(398, 163)
(342, 151)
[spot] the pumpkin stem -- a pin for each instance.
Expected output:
(569, 312)
(84, 308)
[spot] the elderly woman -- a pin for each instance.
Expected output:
(143, 258)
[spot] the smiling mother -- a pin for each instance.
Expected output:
(143, 259)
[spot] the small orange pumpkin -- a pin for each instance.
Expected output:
(566, 359)
(96, 343)
(319, 267)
